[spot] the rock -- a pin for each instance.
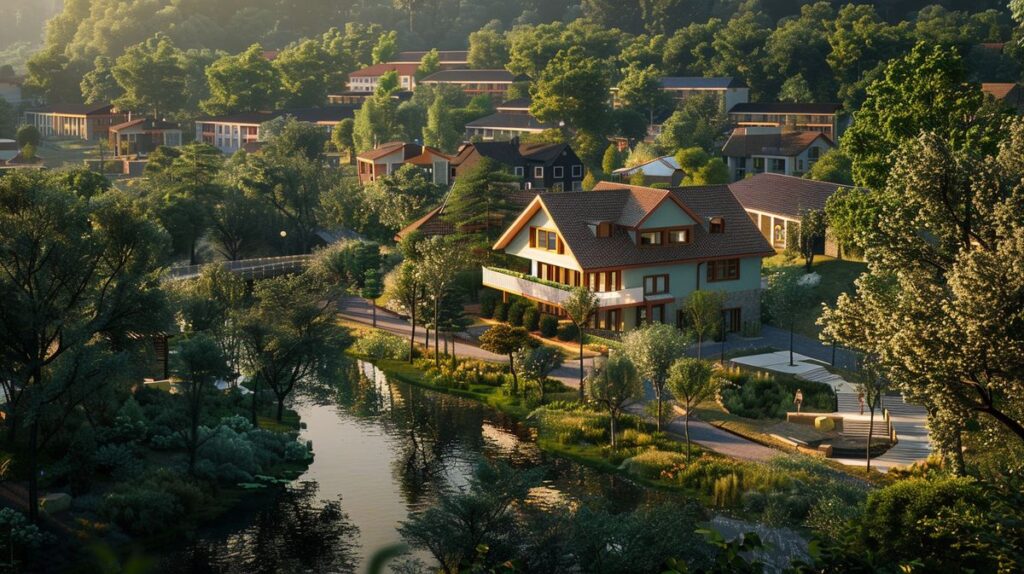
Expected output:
(55, 503)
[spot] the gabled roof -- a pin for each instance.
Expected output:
(659, 166)
(745, 143)
(518, 104)
(470, 76)
(507, 120)
(381, 69)
(784, 195)
(699, 83)
(411, 152)
(75, 109)
(575, 212)
(785, 108)
(147, 124)
(512, 152)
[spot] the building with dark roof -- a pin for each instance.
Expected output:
(141, 136)
(449, 59)
(82, 121)
(366, 79)
(494, 83)
(539, 166)
(643, 251)
(357, 97)
(773, 150)
(820, 118)
(730, 91)
(230, 133)
(511, 119)
(776, 202)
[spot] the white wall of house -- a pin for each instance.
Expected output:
(520, 246)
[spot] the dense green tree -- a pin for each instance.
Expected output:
(201, 363)
(430, 63)
(613, 159)
(479, 199)
(613, 385)
(714, 172)
(834, 166)
(860, 40)
(640, 89)
(652, 348)
(52, 76)
(532, 47)
(399, 198)
(237, 224)
(151, 77)
(698, 122)
(795, 89)
(442, 258)
(488, 49)
(295, 138)
(703, 312)
(504, 339)
(341, 137)
(923, 91)
(691, 159)
(689, 51)
(304, 69)
(99, 85)
(572, 88)
(441, 131)
(76, 281)
(851, 216)
(375, 122)
(245, 82)
(795, 55)
(739, 51)
(808, 233)
(372, 289)
(386, 48)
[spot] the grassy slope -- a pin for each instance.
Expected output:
(837, 276)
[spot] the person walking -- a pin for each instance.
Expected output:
(860, 400)
(798, 399)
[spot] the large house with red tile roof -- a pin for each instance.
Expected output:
(1008, 93)
(388, 158)
(755, 150)
(775, 203)
(493, 83)
(642, 250)
(366, 79)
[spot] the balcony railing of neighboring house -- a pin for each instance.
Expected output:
(553, 293)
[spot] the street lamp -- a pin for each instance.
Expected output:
(724, 334)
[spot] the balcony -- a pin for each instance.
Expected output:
(547, 292)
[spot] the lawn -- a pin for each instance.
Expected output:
(837, 276)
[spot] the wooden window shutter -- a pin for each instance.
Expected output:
(533, 237)
(561, 246)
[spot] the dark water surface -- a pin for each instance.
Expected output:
(383, 450)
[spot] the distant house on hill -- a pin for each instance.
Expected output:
(143, 135)
(82, 121)
(390, 157)
(773, 150)
(1008, 93)
(230, 133)
(449, 59)
(366, 79)
(821, 118)
(357, 97)
(511, 119)
(730, 91)
(554, 167)
(494, 83)
(775, 202)
(663, 169)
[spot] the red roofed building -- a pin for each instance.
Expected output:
(388, 158)
(366, 79)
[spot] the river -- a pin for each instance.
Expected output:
(383, 450)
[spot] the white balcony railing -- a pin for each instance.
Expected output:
(546, 293)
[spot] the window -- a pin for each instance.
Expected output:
(538, 172)
(557, 186)
(548, 240)
(778, 165)
(604, 229)
(558, 172)
(717, 225)
(813, 154)
(519, 171)
(577, 186)
(723, 270)
(577, 171)
(679, 236)
(758, 164)
(650, 238)
(655, 284)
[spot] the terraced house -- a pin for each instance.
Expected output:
(642, 250)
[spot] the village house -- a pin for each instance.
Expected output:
(1010, 94)
(511, 119)
(82, 121)
(388, 158)
(231, 133)
(449, 59)
(819, 118)
(366, 79)
(777, 202)
(643, 251)
(141, 136)
(773, 150)
(493, 83)
(554, 167)
(357, 97)
(730, 91)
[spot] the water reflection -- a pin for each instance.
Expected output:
(383, 450)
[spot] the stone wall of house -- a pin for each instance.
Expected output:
(749, 301)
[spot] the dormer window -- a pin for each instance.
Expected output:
(650, 238)
(717, 225)
(679, 236)
(604, 229)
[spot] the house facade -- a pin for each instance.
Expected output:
(493, 83)
(773, 150)
(366, 79)
(511, 119)
(730, 91)
(818, 118)
(554, 167)
(143, 135)
(776, 203)
(448, 59)
(390, 157)
(1010, 94)
(643, 251)
(233, 132)
(81, 121)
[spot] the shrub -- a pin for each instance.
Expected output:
(531, 319)
(548, 326)
(148, 506)
(758, 395)
(568, 332)
(118, 460)
(382, 345)
(500, 312)
(515, 314)
(636, 438)
(488, 301)
(650, 464)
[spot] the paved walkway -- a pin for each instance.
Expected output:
(779, 339)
